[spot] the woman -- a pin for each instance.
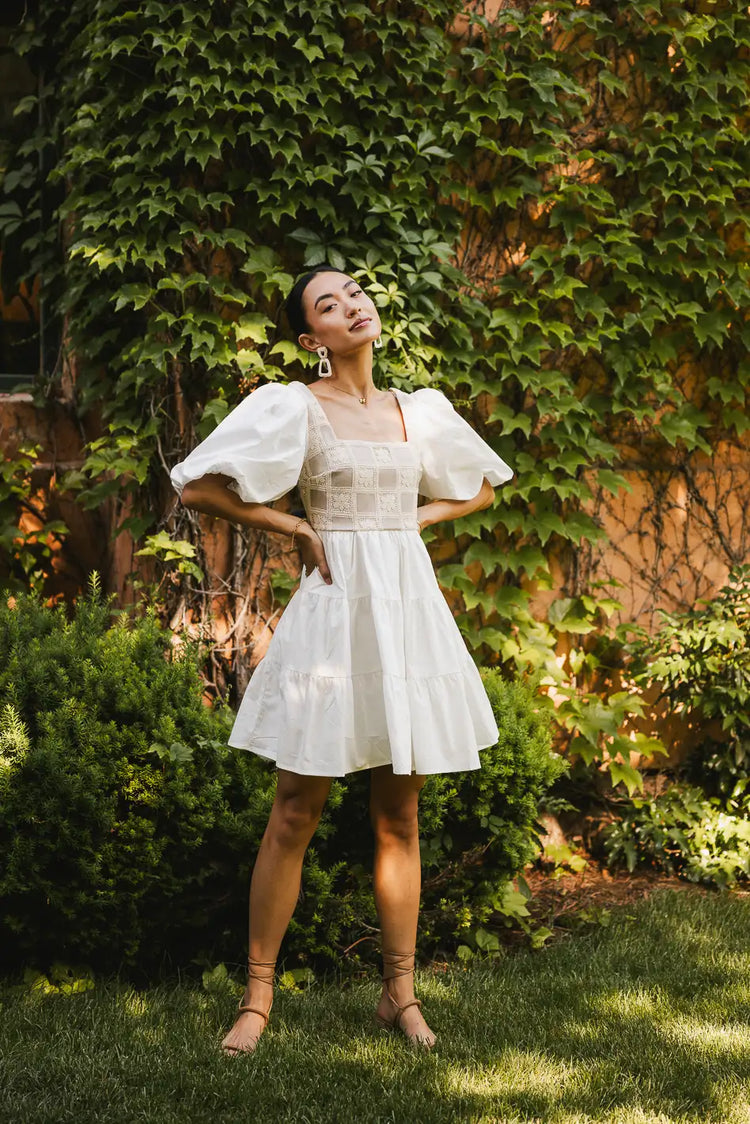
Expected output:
(366, 669)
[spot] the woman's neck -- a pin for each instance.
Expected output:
(354, 372)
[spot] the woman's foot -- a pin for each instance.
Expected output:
(258, 997)
(398, 993)
(249, 1025)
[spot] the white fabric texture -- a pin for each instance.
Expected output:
(372, 669)
(454, 457)
(260, 444)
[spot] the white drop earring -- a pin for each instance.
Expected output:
(324, 366)
(378, 342)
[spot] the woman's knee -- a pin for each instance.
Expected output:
(297, 809)
(396, 821)
(394, 804)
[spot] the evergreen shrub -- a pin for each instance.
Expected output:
(128, 828)
(126, 824)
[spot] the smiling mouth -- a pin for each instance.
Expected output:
(359, 323)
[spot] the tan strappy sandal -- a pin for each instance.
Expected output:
(262, 970)
(397, 964)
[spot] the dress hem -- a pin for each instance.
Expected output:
(265, 756)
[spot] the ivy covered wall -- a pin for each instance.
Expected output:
(547, 201)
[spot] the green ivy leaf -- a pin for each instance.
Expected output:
(625, 774)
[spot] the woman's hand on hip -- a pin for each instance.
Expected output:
(312, 552)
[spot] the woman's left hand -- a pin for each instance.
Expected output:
(312, 553)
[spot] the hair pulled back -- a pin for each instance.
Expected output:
(294, 310)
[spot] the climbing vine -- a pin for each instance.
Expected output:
(549, 206)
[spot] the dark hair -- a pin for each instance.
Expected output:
(294, 310)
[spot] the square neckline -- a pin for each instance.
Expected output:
(359, 440)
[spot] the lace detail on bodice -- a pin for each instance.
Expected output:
(356, 485)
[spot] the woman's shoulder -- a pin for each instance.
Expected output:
(277, 397)
(278, 392)
(425, 400)
(422, 394)
(270, 408)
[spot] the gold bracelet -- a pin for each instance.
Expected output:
(294, 531)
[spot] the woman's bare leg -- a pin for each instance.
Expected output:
(394, 802)
(274, 887)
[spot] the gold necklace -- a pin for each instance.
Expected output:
(349, 392)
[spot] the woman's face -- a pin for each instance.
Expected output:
(341, 315)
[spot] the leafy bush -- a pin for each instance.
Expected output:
(701, 660)
(126, 824)
(128, 827)
(684, 832)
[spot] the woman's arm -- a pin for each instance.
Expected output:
(211, 495)
(438, 510)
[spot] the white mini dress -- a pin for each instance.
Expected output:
(372, 669)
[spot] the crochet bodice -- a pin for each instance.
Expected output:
(357, 485)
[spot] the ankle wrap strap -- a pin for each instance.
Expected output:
(397, 964)
(262, 970)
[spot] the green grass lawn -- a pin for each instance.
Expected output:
(645, 1020)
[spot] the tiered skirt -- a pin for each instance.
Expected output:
(370, 670)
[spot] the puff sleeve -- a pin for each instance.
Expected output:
(455, 459)
(260, 444)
